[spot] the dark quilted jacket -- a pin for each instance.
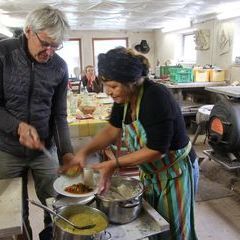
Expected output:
(33, 93)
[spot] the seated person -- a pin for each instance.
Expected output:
(91, 81)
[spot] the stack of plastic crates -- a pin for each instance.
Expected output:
(165, 70)
(181, 75)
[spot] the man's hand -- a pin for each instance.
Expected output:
(28, 136)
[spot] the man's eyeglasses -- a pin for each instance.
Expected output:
(45, 44)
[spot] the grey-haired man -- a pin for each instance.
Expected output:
(33, 88)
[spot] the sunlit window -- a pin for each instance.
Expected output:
(71, 53)
(189, 52)
(103, 45)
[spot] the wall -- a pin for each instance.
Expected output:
(168, 44)
(133, 39)
(206, 56)
(167, 47)
(164, 46)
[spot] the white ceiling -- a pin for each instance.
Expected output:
(116, 14)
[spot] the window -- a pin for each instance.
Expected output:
(71, 53)
(103, 45)
(189, 52)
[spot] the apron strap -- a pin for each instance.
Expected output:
(181, 157)
(137, 107)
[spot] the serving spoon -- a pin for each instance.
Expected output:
(60, 216)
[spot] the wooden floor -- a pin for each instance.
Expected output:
(215, 219)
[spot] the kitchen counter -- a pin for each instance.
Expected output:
(11, 207)
(232, 91)
(149, 223)
(192, 89)
(193, 84)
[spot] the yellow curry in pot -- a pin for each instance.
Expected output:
(84, 218)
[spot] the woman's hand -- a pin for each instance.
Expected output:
(72, 165)
(106, 170)
(28, 136)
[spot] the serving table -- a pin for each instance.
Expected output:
(87, 125)
(10, 207)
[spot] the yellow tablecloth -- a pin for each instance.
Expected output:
(86, 127)
(89, 127)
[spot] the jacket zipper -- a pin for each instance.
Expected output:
(30, 91)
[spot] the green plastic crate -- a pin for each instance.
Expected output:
(166, 70)
(181, 75)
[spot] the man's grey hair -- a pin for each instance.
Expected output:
(50, 20)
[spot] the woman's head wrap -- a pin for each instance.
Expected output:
(122, 65)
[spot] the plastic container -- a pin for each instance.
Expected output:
(217, 75)
(181, 75)
(201, 75)
(165, 71)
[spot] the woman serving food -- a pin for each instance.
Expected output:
(150, 122)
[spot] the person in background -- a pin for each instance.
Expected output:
(33, 88)
(150, 122)
(91, 81)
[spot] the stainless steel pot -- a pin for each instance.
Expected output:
(63, 232)
(122, 209)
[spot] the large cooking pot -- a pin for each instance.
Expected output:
(123, 202)
(80, 215)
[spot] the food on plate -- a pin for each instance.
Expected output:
(73, 171)
(78, 188)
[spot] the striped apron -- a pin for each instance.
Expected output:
(168, 181)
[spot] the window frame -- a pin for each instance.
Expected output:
(107, 39)
(193, 61)
(80, 52)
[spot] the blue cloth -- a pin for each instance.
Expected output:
(195, 175)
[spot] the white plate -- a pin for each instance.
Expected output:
(63, 181)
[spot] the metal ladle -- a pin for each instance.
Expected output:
(60, 216)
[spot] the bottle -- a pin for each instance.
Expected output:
(81, 87)
(72, 103)
(85, 89)
(69, 97)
